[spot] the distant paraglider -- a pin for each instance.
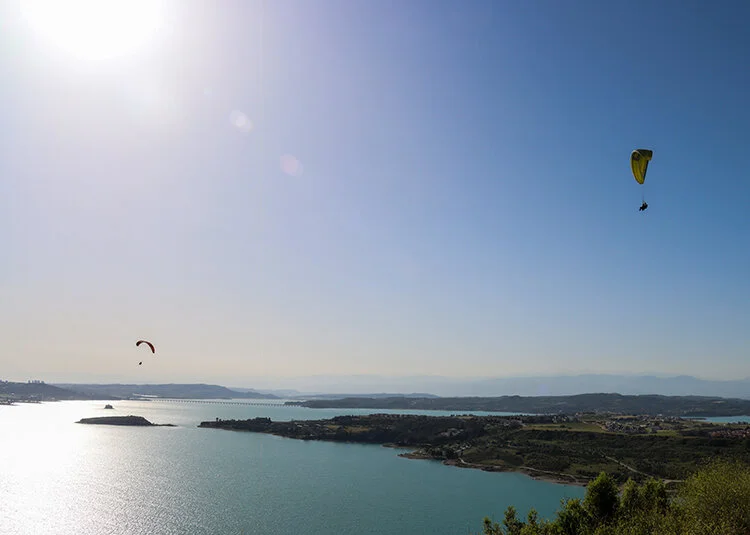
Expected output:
(639, 159)
(149, 344)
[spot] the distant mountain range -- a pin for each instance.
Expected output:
(682, 385)
(178, 391)
(360, 385)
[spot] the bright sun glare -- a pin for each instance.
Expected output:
(94, 29)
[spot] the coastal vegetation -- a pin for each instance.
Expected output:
(565, 448)
(715, 500)
(695, 406)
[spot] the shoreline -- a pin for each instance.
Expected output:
(534, 473)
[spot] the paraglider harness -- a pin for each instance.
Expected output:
(643, 206)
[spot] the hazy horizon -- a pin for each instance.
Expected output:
(538, 385)
(449, 377)
(292, 189)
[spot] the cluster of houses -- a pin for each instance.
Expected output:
(13, 392)
(615, 426)
(642, 424)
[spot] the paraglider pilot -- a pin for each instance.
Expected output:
(643, 206)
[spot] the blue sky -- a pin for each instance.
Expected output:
(466, 206)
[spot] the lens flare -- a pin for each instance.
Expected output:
(291, 165)
(240, 121)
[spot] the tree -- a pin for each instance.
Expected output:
(630, 502)
(512, 524)
(535, 527)
(573, 519)
(716, 500)
(602, 499)
(653, 495)
(491, 528)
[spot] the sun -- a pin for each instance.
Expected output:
(94, 29)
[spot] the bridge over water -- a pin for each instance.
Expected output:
(253, 403)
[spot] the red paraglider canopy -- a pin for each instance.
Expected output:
(139, 342)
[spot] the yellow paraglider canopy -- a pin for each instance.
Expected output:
(639, 159)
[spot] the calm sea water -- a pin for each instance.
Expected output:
(58, 477)
(728, 419)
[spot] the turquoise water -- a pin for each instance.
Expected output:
(727, 419)
(57, 477)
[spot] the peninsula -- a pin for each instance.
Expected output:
(693, 406)
(571, 449)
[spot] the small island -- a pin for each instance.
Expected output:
(108, 406)
(121, 420)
